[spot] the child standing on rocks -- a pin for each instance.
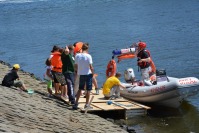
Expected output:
(48, 76)
(12, 78)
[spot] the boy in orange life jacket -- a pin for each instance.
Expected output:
(57, 72)
(144, 62)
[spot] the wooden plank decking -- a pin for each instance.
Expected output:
(130, 108)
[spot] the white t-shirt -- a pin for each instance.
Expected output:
(45, 75)
(83, 60)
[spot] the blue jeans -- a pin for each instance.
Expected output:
(70, 79)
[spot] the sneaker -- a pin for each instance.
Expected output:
(112, 97)
(118, 97)
(58, 95)
(50, 96)
(65, 98)
(88, 107)
(75, 106)
(72, 102)
(97, 91)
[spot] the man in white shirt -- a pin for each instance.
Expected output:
(84, 67)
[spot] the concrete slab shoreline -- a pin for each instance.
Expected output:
(21, 112)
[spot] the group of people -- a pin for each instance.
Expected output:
(71, 70)
(112, 84)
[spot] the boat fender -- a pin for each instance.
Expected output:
(111, 68)
(123, 51)
(128, 50)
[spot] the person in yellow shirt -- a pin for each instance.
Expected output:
(112, 86)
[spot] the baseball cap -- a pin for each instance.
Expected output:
(78, 47)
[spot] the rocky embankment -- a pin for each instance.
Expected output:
(21, 112)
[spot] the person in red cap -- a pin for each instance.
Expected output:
(77, 47)
(143, 62)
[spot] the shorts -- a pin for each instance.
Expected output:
(49, 84)
(115, 90)
(145, 73)
(59, 78)
(85, 80)
(18, 83)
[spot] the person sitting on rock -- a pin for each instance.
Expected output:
(12, 78)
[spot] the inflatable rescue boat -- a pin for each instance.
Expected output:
(168, 91)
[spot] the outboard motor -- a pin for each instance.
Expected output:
(129, 75)
(161, 75)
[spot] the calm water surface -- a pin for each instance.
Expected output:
(29, 29)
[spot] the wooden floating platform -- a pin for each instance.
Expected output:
(98, 103)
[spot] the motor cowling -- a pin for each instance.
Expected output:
(129, 75)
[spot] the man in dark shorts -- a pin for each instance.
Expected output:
(84, 67)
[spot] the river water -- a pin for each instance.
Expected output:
(30, 28)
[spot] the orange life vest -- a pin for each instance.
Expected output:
(153, 67)
(56, 62)
(142, 55)
(111, 68)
